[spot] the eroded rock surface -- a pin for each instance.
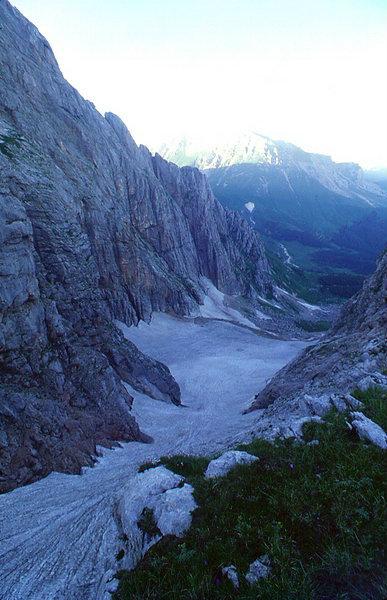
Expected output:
(92, 229)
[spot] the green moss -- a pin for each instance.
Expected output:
(9, 143)
(318, 511)
(147, 523)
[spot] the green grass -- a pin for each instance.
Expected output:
(314, 325)
(317, 511)
(302, 254)
(374, 405)
(315, 282)
(304, 284)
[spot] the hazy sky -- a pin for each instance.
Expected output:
(311, 72)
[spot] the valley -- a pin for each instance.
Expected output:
(59, 534)
(159, 308)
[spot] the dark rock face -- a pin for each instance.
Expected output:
(92, 229)
(355, 349)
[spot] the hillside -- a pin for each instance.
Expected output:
(352, 353)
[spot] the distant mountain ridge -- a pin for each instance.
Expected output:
(305, 205)
(253, 148)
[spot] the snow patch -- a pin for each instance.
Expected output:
(312, 307)
(288, 258)
(214, 307)
(250, 206)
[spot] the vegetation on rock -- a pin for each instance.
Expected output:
(317, 509)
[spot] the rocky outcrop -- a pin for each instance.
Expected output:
(93, 229)
(157, 503)
(219, 467)
(355, 349)
(168, 504)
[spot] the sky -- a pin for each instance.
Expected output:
(310, 72)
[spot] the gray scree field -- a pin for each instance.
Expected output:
(60, 534)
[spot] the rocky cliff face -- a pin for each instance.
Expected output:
(92, 229)
(354, 350)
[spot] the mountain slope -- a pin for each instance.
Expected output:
(307, 207)
(93, 229)
(355, 349)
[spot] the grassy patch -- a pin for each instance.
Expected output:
(9, 143)
(314, 325)
(187, 466)
(304, 284)
(147, 523)
(374, 405)
(316, 510)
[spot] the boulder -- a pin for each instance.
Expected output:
(368, 430)
(232, 574)
(259, 569)
(172, 510)
(223, 465)
(171, 503)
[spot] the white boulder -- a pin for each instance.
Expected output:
(368, 430)
(232, 574)
(321, 405)
(172, 510)
(172, 503)
(219, 467)
(259, 569)
(352, 402)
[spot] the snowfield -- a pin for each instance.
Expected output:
(59, 536)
